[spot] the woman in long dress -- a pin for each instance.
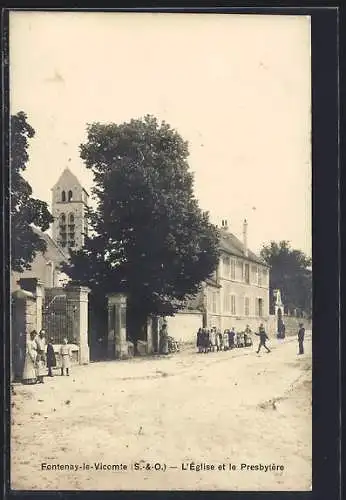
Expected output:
(218, 340)
(199, 342)
(164, 339)
(30, 369)
(225, 340)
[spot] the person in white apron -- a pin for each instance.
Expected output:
(66, 355)
(225, 340)
(212, 339)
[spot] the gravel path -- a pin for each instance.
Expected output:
(218, 409)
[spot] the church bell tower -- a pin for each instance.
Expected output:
(69, 204)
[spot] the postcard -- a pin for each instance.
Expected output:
(161, 261)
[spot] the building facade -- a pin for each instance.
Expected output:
(239, 294)
(69, 205)
(235, 296)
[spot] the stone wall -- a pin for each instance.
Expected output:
(291, 324)
(184, 325)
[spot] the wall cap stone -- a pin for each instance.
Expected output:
(116, 298)
(75, 288)
(23, 294)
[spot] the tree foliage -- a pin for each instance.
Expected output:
(291, 274)
(25, 210)
(151, 240)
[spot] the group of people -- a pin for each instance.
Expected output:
(40, 358)
(210, 340)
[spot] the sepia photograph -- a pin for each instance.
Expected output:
(161, 251)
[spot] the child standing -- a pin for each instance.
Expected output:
(66, 355)
(51, 359)
(212, 339)
(218, 340)
(225, 340)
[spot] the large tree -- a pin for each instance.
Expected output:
(291, 274)
(151, 240)
(25, 210)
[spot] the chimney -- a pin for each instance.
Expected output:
(245, 238)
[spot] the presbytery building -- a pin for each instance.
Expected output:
(238, 294)
(235, 296)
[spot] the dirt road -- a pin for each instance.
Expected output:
(229, 410)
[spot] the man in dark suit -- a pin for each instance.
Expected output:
(301, 334)
(263, 337)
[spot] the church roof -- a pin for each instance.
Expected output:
(67, 177)
(230, 244)
(56, 253)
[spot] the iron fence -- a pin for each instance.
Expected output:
(59, 319)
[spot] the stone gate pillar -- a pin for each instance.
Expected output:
(117, 343)
(77, 297)
(23, 321)
(150, 335)
(39, 304)
(35, 286)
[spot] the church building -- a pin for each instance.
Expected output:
(69, 205)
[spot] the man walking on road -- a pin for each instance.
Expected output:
(301, 334)
(263, 337)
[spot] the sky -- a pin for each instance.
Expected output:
(236, 87)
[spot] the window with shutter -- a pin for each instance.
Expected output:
(233, 305)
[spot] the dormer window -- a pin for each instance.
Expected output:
(63, 196)
(70, 195)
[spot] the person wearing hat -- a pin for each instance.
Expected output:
(301, 335)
